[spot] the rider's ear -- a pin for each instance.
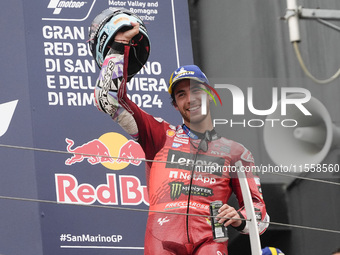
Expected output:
(175, 104)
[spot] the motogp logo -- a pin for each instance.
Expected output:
(58, 5)
(69, 10)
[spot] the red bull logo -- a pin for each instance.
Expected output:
(112, 150)
(132, 192)
(95, 151)
(130, 152)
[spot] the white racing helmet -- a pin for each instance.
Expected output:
(103, 30)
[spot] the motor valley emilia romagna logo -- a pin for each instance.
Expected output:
(72, 10)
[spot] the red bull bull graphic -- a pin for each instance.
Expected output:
(112, 150)
(130, 152)
(95, 151)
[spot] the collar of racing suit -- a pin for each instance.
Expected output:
(206, 137)
(209, 135)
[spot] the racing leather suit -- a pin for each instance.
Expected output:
(187, 170)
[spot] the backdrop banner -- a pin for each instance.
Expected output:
(56, 112)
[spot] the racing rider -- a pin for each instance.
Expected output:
(188, 166)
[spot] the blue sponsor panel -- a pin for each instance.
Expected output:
(86, 197)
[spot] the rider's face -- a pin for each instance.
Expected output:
(188, 100)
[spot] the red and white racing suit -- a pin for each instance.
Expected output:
(181, 178)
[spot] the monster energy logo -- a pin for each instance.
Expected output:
(175, 189)
(178, 188)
